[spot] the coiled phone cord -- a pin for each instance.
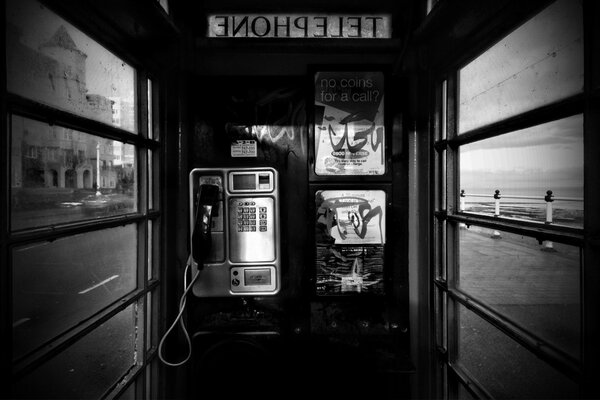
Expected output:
(180, 318)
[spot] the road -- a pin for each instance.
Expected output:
(58, 284)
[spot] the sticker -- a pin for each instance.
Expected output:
(346, 270)
(243, 148)
(350, 217)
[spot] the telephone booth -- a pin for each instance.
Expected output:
(312, 199)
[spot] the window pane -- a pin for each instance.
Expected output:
(440, 318)
(150, 250)
(61, 175)
(444, 110)
(91, 366)
(440, 245)
(504, 368)
(150, 156)
(150, 107)
(58, 284)
(524, 165)
(537, 64)
(539, 290)
(50, 61)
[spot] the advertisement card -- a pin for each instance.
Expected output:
(350, 238)
(349, 123)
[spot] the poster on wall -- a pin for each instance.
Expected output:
(349, 123)
(350, 238)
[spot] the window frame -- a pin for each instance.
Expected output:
(444, 79)
(143, 218)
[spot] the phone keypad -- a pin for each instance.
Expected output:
(248, 215)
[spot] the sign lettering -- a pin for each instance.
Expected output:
(324, 26)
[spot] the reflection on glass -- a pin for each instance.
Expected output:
(504, 368)
(91, 366)
(534, 285)
(537, 64)
(50, 61)
(58, 284)
(523, 165)
(61, 175)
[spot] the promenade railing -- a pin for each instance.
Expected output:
(497, 197)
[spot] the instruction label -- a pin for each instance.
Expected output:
(243, 148)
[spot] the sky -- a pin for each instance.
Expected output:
(548, 155)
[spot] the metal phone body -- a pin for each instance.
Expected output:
(244, 258)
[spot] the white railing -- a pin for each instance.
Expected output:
(549, 198)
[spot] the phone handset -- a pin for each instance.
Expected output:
(207, 198)
(206, 201)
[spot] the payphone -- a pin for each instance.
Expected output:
(236, 238)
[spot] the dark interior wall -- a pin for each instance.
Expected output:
(363, 335)
(225, 111)
(321, 342)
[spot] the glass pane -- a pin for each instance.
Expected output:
(61, 175)
(444, 110)
(150, 117)
(537, 64)
(57, 284)
(440, 253)
(537, 286)
(148, 320)
(150, 251)
(443, 182)
(504, 368)
(523, 166)
(50, 61)
(440, 318)
(89, 367)
(150, 180)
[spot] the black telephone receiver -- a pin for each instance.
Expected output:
(207, 197)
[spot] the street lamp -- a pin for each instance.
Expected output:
(98, 169)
